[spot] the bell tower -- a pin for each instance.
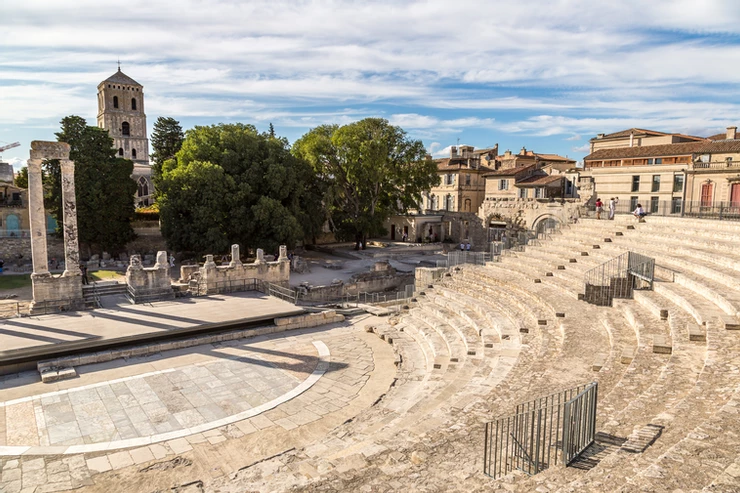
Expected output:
(121, 113)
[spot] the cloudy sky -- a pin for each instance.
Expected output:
(545, 75)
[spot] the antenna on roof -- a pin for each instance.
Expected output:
(119, 64)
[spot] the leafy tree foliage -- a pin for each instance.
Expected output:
(166, 141)
(21, 179)
(103, 187)
(369, 170)
(230, 184)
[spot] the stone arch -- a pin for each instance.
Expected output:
(546, 221)
(120, 151)
(133, 153)
(143, 187)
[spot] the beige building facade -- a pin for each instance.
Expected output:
(713, 180)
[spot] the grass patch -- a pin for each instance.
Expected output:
(104, 275)
(14, 281)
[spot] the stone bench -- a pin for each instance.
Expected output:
(628, 354)
(599, 362)
(729, 322)
(696, 333)
(661, 345)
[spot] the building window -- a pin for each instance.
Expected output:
(633, 203)
(676, 206)
(467, 179)
(651, 161)
(468, 205)
(115, 101)
(125, 128)
(449, 204)
(658, 160)
(133, 153)
(728, 161)
(449, 179)
(677, 183)
(503, 184)
(120, 151)
(522, 193)
(133, 104)
(636, 183)
(656, 183)
(653, 205)
(706, 194)
(538, 193)
(143, 185)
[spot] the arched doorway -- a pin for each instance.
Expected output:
(546, 224)
(13, 225)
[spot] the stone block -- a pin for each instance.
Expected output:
(607, 240)
(619, 233)
(661, 345)
(628, 354)
(596, 247)
(538, 281)
(584, 254)
(572, 261)
(599, 362)
(488, 345)
(548, 274)
(560, 315)
(663, 314)
(524, 330)
(541, 322)
(729, 322)
(696, 333)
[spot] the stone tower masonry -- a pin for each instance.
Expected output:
(121, 113)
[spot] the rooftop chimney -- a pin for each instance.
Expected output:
(600, 136)
(453, 151)
(523, 152)
(632, 139)
(732, 133)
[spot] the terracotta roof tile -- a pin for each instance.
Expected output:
(510, 171)
(540, 181)
(726, 145)
(680, 149)
(121, 78)
(626, 133)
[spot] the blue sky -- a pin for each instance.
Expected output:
(547, 76)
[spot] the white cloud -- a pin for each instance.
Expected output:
(583, 148)
(574, 137)
(17, 163)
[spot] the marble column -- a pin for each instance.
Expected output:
(37, 217)
(69, 203)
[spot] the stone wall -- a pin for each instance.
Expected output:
(217, 278)
(149, 283)
(527, 213)
(424, 276)
(10, 248)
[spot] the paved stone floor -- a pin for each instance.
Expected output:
(174, 393)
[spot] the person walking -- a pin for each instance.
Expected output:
(83, 269)
(612, 207)
(599, 208)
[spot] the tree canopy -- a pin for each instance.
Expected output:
(368, 171)
(21, 178)
(231, 184)
(103, 187)
(166, 140)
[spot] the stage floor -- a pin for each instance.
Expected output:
(123, 320)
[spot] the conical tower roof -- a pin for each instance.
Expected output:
(121, 78)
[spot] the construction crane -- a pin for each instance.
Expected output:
(9, 146)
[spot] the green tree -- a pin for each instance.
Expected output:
(103, 187)
(369, 170)
(231, 184)
(21, 179)
(166, 141)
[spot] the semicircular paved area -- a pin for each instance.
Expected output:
(223, 385)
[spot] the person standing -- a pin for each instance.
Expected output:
(612, 207)
(599, 208)
(172, 260)
(83, 270)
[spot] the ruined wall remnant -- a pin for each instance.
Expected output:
(49, 292)
(213, 278)
(148, 284)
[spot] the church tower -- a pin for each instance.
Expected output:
(121, 113)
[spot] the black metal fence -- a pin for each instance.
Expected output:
(542, 432)
(618, 278)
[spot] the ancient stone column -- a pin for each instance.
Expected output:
(260, 256)
(283, 253)
(37, 217)
(69, 203)
(235, 260)
(162, 262)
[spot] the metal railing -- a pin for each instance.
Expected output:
(542, 432)
(720, 211)
(285, 294)
(618, 277)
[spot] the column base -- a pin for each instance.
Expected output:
(55, 294)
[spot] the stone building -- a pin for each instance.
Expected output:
(713, 179)
(121, 112)
(642, 166)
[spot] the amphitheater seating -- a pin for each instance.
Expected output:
(485, 338)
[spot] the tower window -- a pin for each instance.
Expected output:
(133, 153)
(120, 151)
(133, 103)
(125, 128)
(115, 101)
(143, 187)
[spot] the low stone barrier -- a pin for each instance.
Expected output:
(59, 368)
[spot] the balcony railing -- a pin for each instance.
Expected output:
(731, 165)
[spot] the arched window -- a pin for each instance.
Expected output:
(115, 101)
(133, 153)
(143, 187)
(120, 151)
(133, 103)
(125, 128)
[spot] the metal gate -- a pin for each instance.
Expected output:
(543, 432)
(617, 278)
